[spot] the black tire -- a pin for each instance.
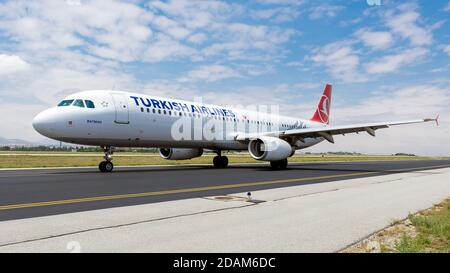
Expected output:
(279, 164)
(109, 166)
(224, 161)
(220, 161)
(101, 166)
(216, 162)
(283, 164)
(274, 165)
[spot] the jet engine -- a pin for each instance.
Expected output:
(269, 149)
(180, 153)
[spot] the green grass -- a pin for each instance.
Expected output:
(74, 159)
(433, 228)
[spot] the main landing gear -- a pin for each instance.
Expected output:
(106, 166)
(279, 164)
(220, 161)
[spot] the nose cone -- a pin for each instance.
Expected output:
(44, 122)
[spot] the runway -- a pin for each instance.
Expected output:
(42, 192)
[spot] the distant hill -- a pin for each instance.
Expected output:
(22, 142)
(15, 142)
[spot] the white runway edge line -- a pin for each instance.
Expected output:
(323, 217)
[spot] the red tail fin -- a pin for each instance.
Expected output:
(322, 113)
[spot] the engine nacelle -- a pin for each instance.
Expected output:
(180, 153)
(269, 149)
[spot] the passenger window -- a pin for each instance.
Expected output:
(89, 104)
(79, 103)
(65, 103)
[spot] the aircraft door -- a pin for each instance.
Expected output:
(122, 111)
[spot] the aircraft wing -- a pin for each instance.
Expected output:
(327, 132)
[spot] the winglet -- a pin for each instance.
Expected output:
(433, 119)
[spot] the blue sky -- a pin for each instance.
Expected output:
(386, 62)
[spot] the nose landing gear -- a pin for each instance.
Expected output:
(106, 166)
(220, 161)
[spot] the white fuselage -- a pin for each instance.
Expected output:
(125, 119)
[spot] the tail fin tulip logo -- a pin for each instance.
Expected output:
(324, 108)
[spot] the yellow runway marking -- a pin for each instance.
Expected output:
(198, 189)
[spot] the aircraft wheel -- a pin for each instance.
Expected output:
(279, 164)
(283, 164)
(220, 161)
(216, 162)
(224, 160)
(101, 166)
(106, 166)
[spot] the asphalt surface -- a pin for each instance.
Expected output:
(42, 192)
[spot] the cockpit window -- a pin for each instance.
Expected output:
(79, 103)
(65, 103)
(89, 104)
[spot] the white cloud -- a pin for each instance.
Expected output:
(278, 15)
(447, 49)
(375, 39)
(10, 64)
(195, 14)
(56, 83)
(295, 64)
(173, 27)
(391, 63)
(217, 72)
(324, 11)
(281, 2)
(51, 26)
(248, 41)
(197, 38)
(256, 70)
(307, 85)
(19, 126)
(341, 61)
(167, 48)
(447, 7)
(406, 22)
(211, 23)
(124, 31)
(210, 73)
(406, 102)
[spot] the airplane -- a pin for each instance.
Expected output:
(184, 129)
